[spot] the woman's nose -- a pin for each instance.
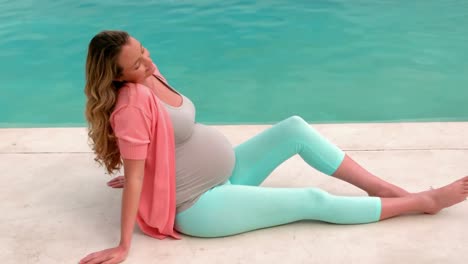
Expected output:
(147, 60)
(146, 54)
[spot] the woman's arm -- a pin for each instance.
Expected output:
(134, 173)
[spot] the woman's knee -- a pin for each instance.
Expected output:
(317, 196)
(296, 126)
(318, 203)
(295, 122)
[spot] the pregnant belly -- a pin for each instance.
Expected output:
(205, 159)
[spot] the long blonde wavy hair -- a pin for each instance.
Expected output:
(101, 92)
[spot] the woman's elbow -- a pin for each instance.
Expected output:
(134, 170)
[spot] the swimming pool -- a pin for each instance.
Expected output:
(243, 62)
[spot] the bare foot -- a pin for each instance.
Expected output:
(438, 199)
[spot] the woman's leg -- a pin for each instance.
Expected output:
(351, 172)
(232, 209)
(260, 155)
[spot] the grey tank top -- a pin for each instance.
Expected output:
(204, 156)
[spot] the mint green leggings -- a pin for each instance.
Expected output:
(240, 205)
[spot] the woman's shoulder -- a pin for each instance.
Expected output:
(132, 90)
(134, 95)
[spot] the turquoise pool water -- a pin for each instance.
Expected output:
(247, 61)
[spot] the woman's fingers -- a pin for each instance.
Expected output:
(117, 182)
(112, 261)
(113, 181)
(119, 179)
(116, 185)
(89, 257)
(100, 259)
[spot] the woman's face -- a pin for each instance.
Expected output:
(135, 61)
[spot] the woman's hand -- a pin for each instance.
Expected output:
(108, 256)
(117, 182)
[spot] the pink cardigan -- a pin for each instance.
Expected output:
(144, 131)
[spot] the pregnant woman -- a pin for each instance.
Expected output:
(181, 176)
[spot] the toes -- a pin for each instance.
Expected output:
(465, 190)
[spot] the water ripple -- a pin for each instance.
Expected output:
(307, 57)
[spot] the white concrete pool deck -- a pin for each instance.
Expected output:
(56, 207)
